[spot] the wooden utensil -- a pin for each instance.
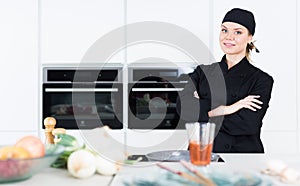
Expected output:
(49, 124)
(185, 175)
(189, 167)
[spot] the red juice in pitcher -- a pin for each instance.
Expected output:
(200, 156)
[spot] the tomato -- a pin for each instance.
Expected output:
(12, 152)
(33, 145)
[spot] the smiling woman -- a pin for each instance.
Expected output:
(237, 33)
(247, 94)
(234, 39)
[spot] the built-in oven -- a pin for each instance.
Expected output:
(152, 98)
(83, 98)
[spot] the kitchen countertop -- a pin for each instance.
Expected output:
(61, 177)
(241, 162)
(246, 162)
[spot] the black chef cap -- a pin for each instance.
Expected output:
(242, 17)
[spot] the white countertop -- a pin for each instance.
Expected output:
(242, 162)
(253, 162)
(61, 177)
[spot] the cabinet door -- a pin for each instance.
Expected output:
(182, 25)
(70, 28)
(19, 65)
(275, 37)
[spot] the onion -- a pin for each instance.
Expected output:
(106, 167)
(81, 164)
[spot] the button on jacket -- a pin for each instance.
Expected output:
(217, 85)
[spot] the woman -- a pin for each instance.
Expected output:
(247, 89)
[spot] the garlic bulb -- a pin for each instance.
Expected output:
(81, 164)
(105, 167)
(276, 166)
(290, 175)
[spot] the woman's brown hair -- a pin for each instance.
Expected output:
(249, 48)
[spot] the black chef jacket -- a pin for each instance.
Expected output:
(216, 85)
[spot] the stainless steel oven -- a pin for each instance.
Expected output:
(152, 98)
(83, 98)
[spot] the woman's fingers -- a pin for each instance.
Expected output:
(254, 106)
(249, 107)
(196, 95)
(256, 101)
(251, 102)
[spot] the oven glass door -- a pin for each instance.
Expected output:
(84, 106)
(153, 105)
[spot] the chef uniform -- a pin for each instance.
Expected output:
(240, 131)
(217, 85)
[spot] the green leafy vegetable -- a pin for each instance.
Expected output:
(71, 144)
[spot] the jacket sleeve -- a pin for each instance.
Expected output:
(248, 122)
(192, 109)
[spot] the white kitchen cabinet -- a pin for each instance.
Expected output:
(162, 43)
(19, 67)
(69, 28)
(275, 34)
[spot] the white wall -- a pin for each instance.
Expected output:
(19, 69)
(69, 28)
(298, 70)
(191, 15)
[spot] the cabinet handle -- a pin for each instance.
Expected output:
(156, 89)
(81, 90)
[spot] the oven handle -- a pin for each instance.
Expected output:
(156, 89)
(81, 90)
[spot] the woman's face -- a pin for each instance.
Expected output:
(234, 38)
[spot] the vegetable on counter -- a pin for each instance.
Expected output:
(71, 145)
(106, 167)
(81, 164)
(80, 161)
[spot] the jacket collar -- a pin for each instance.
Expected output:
(240, 68)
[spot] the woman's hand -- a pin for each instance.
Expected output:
(250, 102)
(196, 95)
